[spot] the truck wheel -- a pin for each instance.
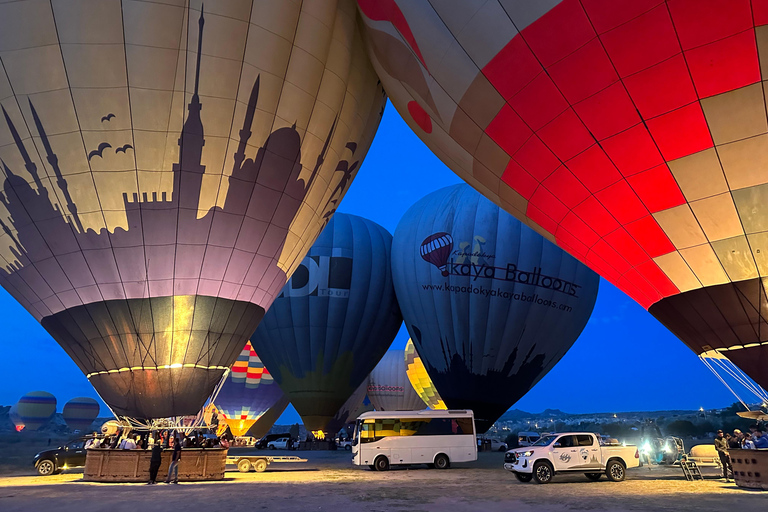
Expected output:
(543, 472)
(243, 465)
(381, 463)
(272, 447)
(524, 477)
(615, 471)
(593, 476)
(442, 462)
(348, 448)
(260, 465)
(46, 467)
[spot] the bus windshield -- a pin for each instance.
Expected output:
(545, 440)
(356, 433)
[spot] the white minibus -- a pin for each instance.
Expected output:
(435, 438)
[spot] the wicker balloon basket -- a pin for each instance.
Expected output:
(750, 468)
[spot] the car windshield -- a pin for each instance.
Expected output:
(544, 441)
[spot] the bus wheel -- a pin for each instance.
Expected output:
(381, 463)
(442, 462)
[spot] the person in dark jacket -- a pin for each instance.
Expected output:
(154, 462)
(721, 445)
(173, 468)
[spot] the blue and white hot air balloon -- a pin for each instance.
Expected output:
(491, 305)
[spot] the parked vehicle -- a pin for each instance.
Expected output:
(435, 438)
(527, 438)
(571, 452)
(281, 443)
(262, 444)
(53, 462)
(495, 444)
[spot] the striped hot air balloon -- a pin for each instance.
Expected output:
(417, 374)
(35, 409)
(248, 392)
(80, 412)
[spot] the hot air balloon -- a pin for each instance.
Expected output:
(268, 419)
(351, 409)
(13, 414)
(35, 409)
(510, 308)
(80, 412)
(166, 169)
(388, 386)
(334, 319)
(419, 378)
(631, 134)
(247, 393)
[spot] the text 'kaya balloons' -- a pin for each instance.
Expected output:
(166, 169)
(334, 319)
(35, 409)
(80, 412)
(417, 374)
(631, 133)
(389, 388)
(247, 393)
(509, 308)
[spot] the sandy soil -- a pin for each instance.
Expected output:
(328, 482)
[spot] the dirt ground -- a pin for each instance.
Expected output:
(328, 482)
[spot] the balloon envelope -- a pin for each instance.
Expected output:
(632, 134)
(248, 392)
(80, 412)
(334, 319)
(510, 307)
(419, 378)
(35, 409)
(268, 419)
(352, 408)
(388, 386)
(166, 170)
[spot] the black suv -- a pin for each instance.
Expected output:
(53, 462)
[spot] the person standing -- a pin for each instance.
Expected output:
(154, 462)
(721, 445)
(173, 468)
(735, 441)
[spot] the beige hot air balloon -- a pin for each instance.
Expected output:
(167, 165)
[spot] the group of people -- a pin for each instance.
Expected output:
(755, 440)
(158, 442)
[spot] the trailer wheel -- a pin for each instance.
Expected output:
(260, 465)
(243, 465)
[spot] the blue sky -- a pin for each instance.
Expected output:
(624, 360)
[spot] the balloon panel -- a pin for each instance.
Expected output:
(389, 388)
(349, 412)
(80, 412)
(333, 320)
(35, 409)
(263, 425)
(419, 378)
(153, 151)
(632, 134)
(248, 392)
(495, 313)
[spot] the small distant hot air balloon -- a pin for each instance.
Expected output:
(248, 392)
(511, 306)
(388, 386)
(36, 409)
(334, 319)
(417, 374)
(13, 414)
(436, 249)
(80, 412)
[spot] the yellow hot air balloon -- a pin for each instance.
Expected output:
(167, 166)
(419, 378)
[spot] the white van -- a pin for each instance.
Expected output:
(527, 438)
(435, 438)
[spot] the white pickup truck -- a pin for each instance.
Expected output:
(571, 452)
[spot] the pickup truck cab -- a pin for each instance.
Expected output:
(571, 452)
(53, 462)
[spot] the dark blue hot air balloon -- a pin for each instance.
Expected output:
(333, 321)
(491, 305)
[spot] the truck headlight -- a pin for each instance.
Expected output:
(528, 453)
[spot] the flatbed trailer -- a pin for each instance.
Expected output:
(258, 463)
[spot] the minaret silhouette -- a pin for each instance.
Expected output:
(28, 163)
(54, 161)
(188, 173)
(245, 132)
